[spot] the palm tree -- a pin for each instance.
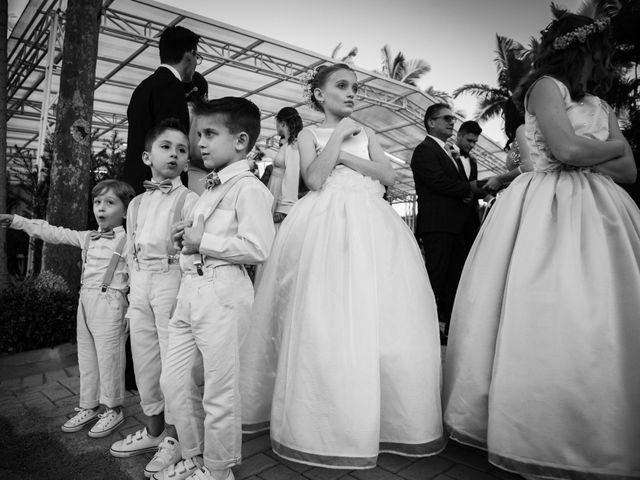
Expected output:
(399, 68)
(349, 58)
(513, 61)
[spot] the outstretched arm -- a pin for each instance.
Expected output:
(45, 232)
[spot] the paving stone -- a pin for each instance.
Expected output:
(11, 383)
(394, 463)
(256, 445)
(33, 380)
(280, 472)
(502, 474)
(377, 473)
(254, 465)
(318, 473)
(55, 375)
(55, 392)
(72, 383)
(426, 468)
(73, 371)
(40, 405)
(462, 472)
(472, 457)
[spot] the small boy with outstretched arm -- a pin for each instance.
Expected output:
(155, 278)
(101, 325)
(230, 226)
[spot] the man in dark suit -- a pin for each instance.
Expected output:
(466, 139)
(160, 96)
(445, 209)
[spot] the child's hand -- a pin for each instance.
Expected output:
(192, 237)
(347, 128)
(177, 231)
(5, 220)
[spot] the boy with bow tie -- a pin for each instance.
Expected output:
(102, 328)
(230, 226)
(155, 279)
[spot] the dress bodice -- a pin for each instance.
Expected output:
(588, 116)
(342, 176)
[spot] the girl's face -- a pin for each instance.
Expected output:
(337, 95)
(281, 129)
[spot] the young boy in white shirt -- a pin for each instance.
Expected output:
(155, 279)
(230, 226)
(101, 325)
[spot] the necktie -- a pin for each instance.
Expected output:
(164, 186)
(95, 235)
(211, 180)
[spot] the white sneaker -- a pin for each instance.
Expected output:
(181, 470)
(168, 453)
(205, 474)
(136, 443)
(109, 421)
(79, 420)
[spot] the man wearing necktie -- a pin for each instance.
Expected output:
(445, 210)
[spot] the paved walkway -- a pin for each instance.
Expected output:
(42, 386)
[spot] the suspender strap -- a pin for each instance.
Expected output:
(111, 269)
(224, 190)
(177, 216)
(132, 213)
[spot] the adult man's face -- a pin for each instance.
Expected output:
(441, 125)
(466, 142)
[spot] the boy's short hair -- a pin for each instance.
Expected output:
(470, 126)
(160, 128)
(122, 190)
(240, 115)
(175, 41)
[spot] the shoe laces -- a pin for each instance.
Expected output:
(108, 415)
(82, 413)
(165, 450)
(201, 474)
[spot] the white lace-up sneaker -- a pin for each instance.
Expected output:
(109, 421)
(181, 470)
(168, 453)
(136, 443)
(205, 474)
(79, 420)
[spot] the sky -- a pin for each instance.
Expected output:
(456, 37)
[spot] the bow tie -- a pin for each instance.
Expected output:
(164, 186)
(95, 235)
(211, 180)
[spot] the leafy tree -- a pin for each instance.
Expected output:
(401, 69)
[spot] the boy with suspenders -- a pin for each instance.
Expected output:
(231, 225)
(101, 325)
(155, 279)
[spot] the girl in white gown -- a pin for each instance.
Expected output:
(343, 353)
(542, 363)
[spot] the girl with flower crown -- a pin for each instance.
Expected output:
(542, 363)
(343, 356)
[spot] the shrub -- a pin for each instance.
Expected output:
(37, 313)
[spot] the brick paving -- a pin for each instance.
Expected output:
(46, 385)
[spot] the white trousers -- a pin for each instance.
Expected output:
(154, 288)
(101, 334)
(210, 321)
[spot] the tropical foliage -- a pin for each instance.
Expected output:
(401, 69)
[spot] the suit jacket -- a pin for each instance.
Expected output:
(441, 189)
(159, 96)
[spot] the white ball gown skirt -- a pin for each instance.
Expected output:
(543, 363)
(343, 352)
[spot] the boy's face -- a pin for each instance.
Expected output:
(108, 210)
(169, 155)
(218, 146)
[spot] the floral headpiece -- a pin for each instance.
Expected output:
(580, 34)
(306, 79)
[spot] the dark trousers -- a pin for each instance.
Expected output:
(445, 254)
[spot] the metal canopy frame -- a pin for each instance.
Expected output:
(235, 62)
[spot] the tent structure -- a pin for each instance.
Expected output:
(236, 62)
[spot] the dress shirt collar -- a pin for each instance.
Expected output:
(439, 142)
(233, 169)
(172, 70)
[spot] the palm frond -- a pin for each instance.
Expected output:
(476, 89)
(488, 110)
(598, 8)
(336, 49)
(506, 47)
(386, 58)
(414, 70)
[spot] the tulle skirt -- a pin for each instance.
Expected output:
(343, 354)
(542, 366)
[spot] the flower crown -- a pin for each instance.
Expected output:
(306, 79)
(580, 34)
